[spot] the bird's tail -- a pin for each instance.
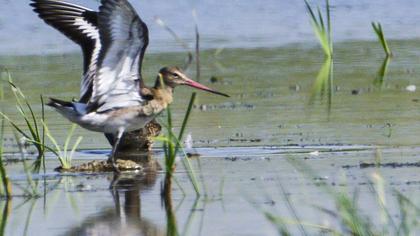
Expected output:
(70, 110)
(56, 103)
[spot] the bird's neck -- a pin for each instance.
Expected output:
(163, 95)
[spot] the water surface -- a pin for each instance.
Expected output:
(283, 105)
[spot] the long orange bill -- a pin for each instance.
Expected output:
(197, 85)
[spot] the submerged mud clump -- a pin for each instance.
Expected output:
(103, 166)
(139, 141)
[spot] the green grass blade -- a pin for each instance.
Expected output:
(68, 138)
(309, 8)
(186, 117)
(382, 73)
(323, 31)
(43, 133)
(329, 29)
(75, 145)
(377, 28)
(5, 184)
(320, 21)
(55, 143)
(15, 126)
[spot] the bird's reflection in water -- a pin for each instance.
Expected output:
(125, 218)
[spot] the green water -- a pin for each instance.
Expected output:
(271, 91)
(284, 97)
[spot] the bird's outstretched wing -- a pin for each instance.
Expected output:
(81, 26)
(124, 38)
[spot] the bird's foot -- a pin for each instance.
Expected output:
(114, 164)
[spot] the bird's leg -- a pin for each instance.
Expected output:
(115, 194)
(113, 156)
(110, 138)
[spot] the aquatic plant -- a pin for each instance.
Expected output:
(5, 209)
(35, 134)
(37, 130)
(171, 146)
(350, 217)
(63, 155)
(5, 190)
(377, 27)
(323, 32)
(323, 85)
(5, 186)
(382, 73)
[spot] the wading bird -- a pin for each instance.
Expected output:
(113, 96)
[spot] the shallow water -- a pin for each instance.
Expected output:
(273, 100)
(248, 181)
(282, 106)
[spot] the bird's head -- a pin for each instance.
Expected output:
(173, 76)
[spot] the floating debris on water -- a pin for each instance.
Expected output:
(294, 87)
(355, 92)
(225, 106)
(314, 153)
(215, 79)
(411, 88)
(363, 165)
(245, 140)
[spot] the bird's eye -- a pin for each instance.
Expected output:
(176, 76)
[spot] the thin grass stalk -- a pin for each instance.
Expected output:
(197, 47)
(29, 217)
(6, 209)
(75, 145)
(178, 39)
(292, 209)
(172, 144)
(201, 176)
(323, 84)
(406, 206)
(197, 53)
(31, 189)
(54, 142)
(1, 88)
(170, 159)
(348, 213)
(377, 27)
(40, 161)
(33, 185)
(382, 73)
(186, 118)
(190, 218)
(185, 161)
(330, 40)
(5, 189)
(330, 89)
(378, 189)
(43, 132)
(67, 142)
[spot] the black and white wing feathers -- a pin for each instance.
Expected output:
(81, 26)
(124, 38)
